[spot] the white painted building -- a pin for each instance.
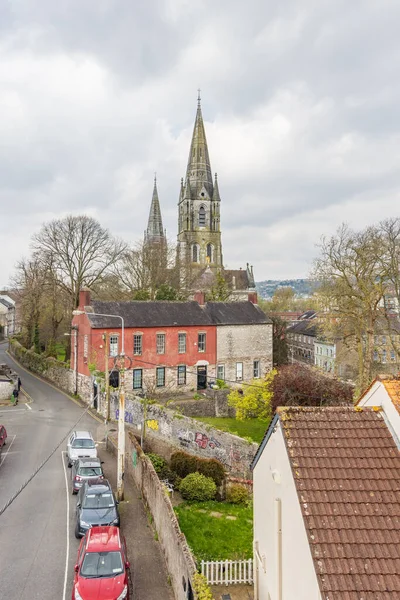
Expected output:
(384, 392)
(7, 315)
(325, 355)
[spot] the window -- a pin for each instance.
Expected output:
(195, 253)
(383, 339)
(137, 343)
(181, 343)
(113, 345)
(160, 376)
(392, 355)
(210, 253)
(376, 340)
(201, 342)
(181, 374)
(202, 216)
(376, 355)
(383, 356)
(221, 372)
(239, 371)
(256, 369)
(137, 379)
(160, 343)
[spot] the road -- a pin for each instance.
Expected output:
(37, 552)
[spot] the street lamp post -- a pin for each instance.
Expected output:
(121, 416)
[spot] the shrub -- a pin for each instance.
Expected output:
(237, 494)
(183, 463)
(159, 463)
(211, 468)
(201, 587)
(197, 487)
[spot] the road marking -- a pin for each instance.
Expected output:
(27, 406)
(8, 410)
(67, 553)
(8, 450)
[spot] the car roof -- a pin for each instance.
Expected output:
(88, 462)
(83, 434)
(97, 485)
(103, 538)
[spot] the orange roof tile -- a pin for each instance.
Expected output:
(392, 387)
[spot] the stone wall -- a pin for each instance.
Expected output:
(180, 562)
(204, 407)
(6, 388)
(169, 431)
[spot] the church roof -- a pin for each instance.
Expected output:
(236, 279)
(155, 230)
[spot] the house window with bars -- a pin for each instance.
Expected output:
(181, 343)
(256, 368)
(137, 379)
(181, 374)
(239, 371)
(160, 343)
(201, 342)
(221, 372)
(113, 345)
(160, 376)
(137, 343)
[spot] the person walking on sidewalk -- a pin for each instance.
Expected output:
(19, 383)
(15, 394)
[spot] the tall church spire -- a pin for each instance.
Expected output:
(155, 230)
(198, 170)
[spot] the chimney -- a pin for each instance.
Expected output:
(84, 298)
(199, 297)
(252, 297)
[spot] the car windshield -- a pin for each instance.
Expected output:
(85, 443)
(104, 500)
(90, 471)
(102, 564)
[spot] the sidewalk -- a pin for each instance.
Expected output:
(149, 574)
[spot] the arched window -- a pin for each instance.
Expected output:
(202, 216)
(210, 253)
(195, 253)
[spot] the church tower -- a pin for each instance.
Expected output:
(199, 235)
(155, 231)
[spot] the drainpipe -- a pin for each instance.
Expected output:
(278, 520)
(75, 328)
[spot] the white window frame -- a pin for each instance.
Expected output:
(136, 337)
(221, 370)
(239, 371)
(160, 343)
(201, 345)
(114, 341)
(256, 369)
(181, 369)
(182, 338)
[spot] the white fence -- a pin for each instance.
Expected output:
(227, 571)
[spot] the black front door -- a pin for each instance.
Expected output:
(201, 378)
(95, 395)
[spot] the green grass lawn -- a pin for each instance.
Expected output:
(217, 538)
(61, 351)
(252, 428)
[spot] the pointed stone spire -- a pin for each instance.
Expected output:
(198, 167)
(155, 231)
(216, 197)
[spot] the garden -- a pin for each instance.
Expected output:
(216, 516)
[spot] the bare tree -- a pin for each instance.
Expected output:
(351, 291)
(80, 251)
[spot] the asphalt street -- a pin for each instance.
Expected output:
(38, 548)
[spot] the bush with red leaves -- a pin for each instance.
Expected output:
(299, 385)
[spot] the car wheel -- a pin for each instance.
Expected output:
(77, 533)
(69, 464)
(74, 492)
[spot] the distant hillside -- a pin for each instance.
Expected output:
(302, 287)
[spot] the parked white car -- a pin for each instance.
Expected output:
(80, 445)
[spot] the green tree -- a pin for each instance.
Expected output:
(279, 341)
(255, 401)
(166, 292)
(141, 295)
(220, 291)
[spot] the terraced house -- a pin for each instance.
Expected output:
(171, 345)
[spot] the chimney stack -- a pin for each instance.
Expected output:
(252, 297)
(199, 297)
(84, 298)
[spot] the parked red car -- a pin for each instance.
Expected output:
(3, 437)
(102, 571)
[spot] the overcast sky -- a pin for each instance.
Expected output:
(301, 105)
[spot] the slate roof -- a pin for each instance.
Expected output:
(241, 278)
(149, 314)
(235, 313)
(5, 303)
(346, 468)
(306, 327)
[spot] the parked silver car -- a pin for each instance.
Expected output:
(80, 445)
(84, 469)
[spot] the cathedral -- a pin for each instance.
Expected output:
(199, 247)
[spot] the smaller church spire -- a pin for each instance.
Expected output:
(155, 230)
(216, 197)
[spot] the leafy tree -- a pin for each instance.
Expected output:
(166, 292)
(300, 385)
(255, 400)
(279, 341)
(220, 291)
(141, 295)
